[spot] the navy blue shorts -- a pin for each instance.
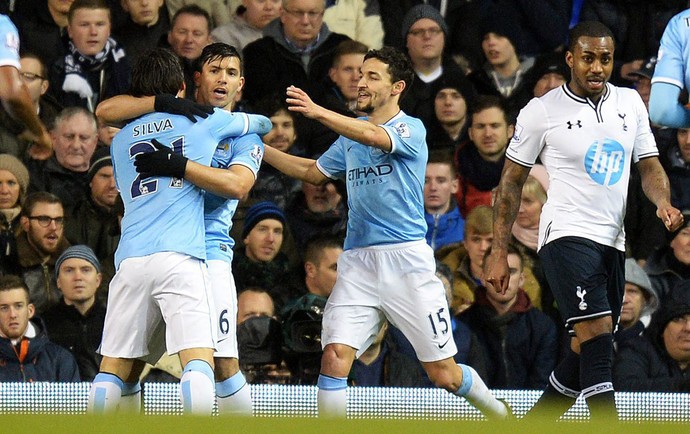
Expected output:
(587, 278)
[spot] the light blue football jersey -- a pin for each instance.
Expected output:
(9, 47)
(674, 52)
(247, 151)
(162, 213)
(385, 189)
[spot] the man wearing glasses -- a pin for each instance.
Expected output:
(297, 49)
(39, 244)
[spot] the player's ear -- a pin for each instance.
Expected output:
(569, 59)
(398, 87)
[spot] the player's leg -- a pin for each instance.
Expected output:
(130, 400)
(336, 363)
(232, 390)
(107, 386)
(197, 388)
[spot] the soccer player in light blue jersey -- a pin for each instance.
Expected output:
(218, 78)
(161, 273)
(672, 74)
(387, 271)
(14, 94)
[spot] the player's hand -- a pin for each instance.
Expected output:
(179, 106)
(299, 101)
(162, 162)
(41, 147)
(496, 273)
(672, 217)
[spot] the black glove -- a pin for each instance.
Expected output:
(163, 162)
(179, 106)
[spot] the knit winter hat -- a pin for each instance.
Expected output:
(261, 211)
(99, 159)
(13, 165)
(79, 251)
(422, 11)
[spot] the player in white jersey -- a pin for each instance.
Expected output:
(672, 74)
(219, 79)
(387, 271)
(586, 133)
(14, 94)
(160, 259)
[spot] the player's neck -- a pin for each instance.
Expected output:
(384, 113)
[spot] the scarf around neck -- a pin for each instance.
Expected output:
(76, 64)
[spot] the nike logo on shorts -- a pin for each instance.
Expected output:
(440, 346)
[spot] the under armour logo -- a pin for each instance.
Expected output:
(622, 116)
(577, 123)
(581, 294)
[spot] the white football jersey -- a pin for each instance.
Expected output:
(587, 149)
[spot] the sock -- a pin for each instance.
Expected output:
(130, 400)
(197, 388)
(105, 392)
(476, 393)
(332, 396)
(596, 377)
(234, 396)
(561, 392)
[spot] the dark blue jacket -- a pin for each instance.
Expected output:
(36, 359)
(445, 228)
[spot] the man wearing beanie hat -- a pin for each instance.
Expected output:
(76, 322)
(450, 98)
(659, 360)
(640, 300)
(14, 180)
(670, 263)
(259, 261)
(93, 220)
(425, 33)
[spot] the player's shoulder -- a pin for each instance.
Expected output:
(6, 24)
(406, 125)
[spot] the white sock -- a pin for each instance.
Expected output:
(234, 396)
(476, 393)
(130, 400)
(332, 396)
(104, 396)
(197, 389)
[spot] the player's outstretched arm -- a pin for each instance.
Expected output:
(656, 187)
(508, 196)
(664, 108)
(122, 107)
(358, 130)
(296, 167)
(16, 100)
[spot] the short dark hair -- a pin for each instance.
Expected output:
(483, 102)
(399, 65)
(32, 55)
(191, 9)
(9, 282)
(591, 29)
(38, 197)
(316, 245)
(217, 51)
(349, 46)
(442, 156)
(86, 4)
(155, 72)
(271, 104)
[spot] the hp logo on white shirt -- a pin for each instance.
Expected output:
(605, 161)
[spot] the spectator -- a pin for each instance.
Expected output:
(320, 265)
(445, 224)
(39, 245)
(26, 354)
(670, 263)
(357, 19)
(247, 23)
(678, 169)
(190, 32)
(218, 11)
(76, 323)
(44, 31)
(147, 22)
(65, 174)
(480, 161)
(296, 50)
(342, 83)
(520, 340)
(93, 220)
(317, 209)
(258, 261)
(254, 301)
(14, 181)
(658, 361)
(548, 72)
(640, 300)
(449, 131)
(95, 67)
(643, 79)
(425, 33)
